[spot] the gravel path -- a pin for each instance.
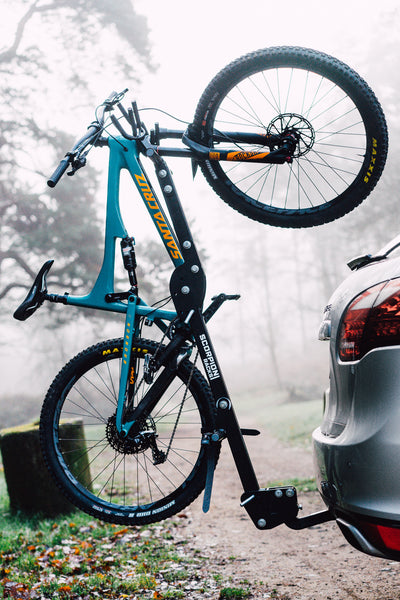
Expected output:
(312, 564)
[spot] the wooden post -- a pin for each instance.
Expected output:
(30, 487)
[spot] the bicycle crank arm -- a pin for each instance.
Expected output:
(211, 442)
(211, 464)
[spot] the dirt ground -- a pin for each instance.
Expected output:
(312, 564)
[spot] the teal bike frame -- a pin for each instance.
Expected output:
(124, 154)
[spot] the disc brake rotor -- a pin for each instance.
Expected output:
(300, 127)
(131, 444)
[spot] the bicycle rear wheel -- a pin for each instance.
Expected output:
(336, 118)
(131, 480)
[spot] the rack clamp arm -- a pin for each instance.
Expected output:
(216, 302)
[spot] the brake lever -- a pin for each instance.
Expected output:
(76, 164)
(113, 99)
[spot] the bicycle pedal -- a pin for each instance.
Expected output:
(250, 432)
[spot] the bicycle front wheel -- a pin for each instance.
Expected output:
(131, 480)
(332, 113)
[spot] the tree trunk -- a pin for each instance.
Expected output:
(30, 487)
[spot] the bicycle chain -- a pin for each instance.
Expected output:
(157, 350)
(181, 406)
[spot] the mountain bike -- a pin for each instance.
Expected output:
(287, 136)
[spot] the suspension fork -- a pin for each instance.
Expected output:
(129, 332)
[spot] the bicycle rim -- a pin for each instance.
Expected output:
(337, 120)
(332, 133)
(121, 479)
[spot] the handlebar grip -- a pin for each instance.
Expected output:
(59, 172)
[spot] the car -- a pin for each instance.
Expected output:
(357, 446)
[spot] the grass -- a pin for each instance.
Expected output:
(293, 423)
(307, 484)
(233, 593)
(63, 558)
(79, 557)
(290, 422)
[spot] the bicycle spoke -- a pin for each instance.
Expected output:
(99, 390)
(332, 142)
(145, 468)
(95, 414)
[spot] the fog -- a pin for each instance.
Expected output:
(274, 270)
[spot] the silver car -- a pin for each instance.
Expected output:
(357, 446)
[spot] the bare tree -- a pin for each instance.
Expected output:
(56, 46)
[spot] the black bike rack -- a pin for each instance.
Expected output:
(270, 507)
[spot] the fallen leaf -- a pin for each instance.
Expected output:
(64, 589)
(16, 590)
(121, 532)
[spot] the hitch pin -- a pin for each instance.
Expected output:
(247, 500)
(189, 316)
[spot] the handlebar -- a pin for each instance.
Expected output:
(73, 157)
(58, 173)
(281, 146)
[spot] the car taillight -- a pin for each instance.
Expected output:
(371, 321)
(381, 535)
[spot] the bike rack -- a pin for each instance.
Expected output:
(270, 507)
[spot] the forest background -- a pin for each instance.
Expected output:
(58, 60)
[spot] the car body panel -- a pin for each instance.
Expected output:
(357, 446)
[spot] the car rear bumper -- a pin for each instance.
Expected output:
(358, 469)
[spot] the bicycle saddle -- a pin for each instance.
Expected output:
(36, 294)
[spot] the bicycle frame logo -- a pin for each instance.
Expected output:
(157, 216)
(209, 361)
(240, 156)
